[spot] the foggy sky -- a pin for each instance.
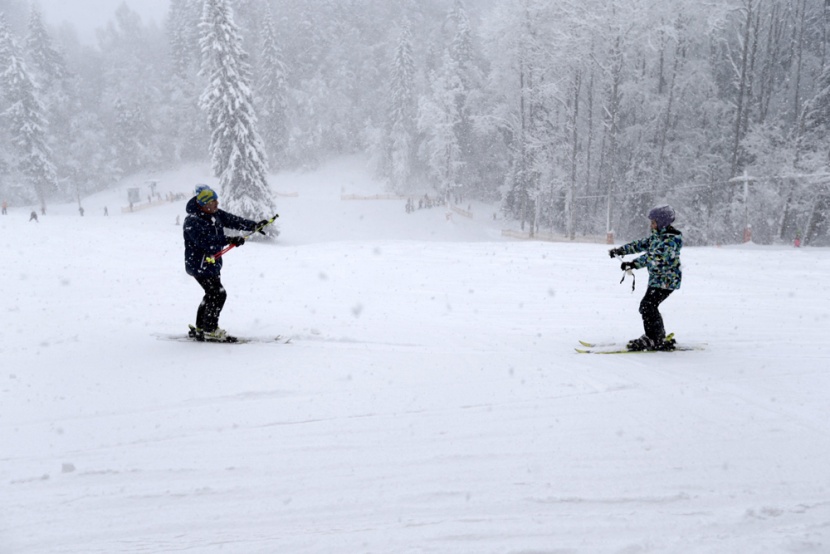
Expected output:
(87, 15)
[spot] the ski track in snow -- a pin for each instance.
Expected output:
(430, 400)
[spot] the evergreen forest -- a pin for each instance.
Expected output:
(573, 117)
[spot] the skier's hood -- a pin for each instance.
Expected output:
(193, 207)
(668, 231)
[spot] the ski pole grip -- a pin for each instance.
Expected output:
(269, 222)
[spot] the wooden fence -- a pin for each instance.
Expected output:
(551, 237)
(143, 206)
(372, 197)
(459, 211)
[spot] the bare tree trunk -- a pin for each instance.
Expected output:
(742, 85)
(576, 87)
(824, 35)
(799, 60)
(612, 123)
(589, 146)
(661, 79)
(521, 174)
(526, 121)
(669, 105)
(772, 58)
(782, 222)
(750, 79)
(810, 228)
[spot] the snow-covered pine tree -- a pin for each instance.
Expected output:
(183, 35)
(24, 120)
(461, 48)
(177, 35)
(402, 114)
(47, 66)
(185, 127)
(185, 124)
(46, 60)
(5, 138)
(132, 87)
(236, 149)
(249, 16)
(461, 51)
(273, 94)
(5, 49)
(131, 136)
(438, 119)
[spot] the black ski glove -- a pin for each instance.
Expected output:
(625, 266)
(236, 241)
(615, 252)
(261, 226)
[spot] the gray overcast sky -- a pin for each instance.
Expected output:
(88, 15)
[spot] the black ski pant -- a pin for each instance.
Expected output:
(652, 320)
(207, 316)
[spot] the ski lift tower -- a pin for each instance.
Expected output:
(745, 179)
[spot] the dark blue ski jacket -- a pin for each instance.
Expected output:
(204, 235)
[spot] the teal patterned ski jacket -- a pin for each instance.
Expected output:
(662, 257)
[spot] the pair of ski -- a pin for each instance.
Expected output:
(193, 336)
(618, 348)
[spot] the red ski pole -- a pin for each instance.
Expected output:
(212, 259)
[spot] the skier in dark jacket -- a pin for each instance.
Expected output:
(662, 258)
(204, 236)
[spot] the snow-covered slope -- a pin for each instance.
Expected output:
(430, 399)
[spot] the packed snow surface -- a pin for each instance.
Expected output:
(430, 399)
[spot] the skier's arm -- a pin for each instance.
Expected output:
(633, 247)
(235, 222)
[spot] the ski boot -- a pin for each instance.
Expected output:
(640, 344)
(667, 344)
(196, 333)
(219, 335)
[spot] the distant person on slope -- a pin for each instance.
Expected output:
(204, 236)
(662, 258)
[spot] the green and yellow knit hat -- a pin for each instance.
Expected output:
(205, 194)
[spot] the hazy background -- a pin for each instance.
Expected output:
(570, 119)
(88, 15)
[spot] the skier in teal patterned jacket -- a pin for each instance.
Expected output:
(662, 258)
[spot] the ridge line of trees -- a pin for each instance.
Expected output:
(576, 117)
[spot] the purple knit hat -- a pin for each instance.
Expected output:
(663, 215)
